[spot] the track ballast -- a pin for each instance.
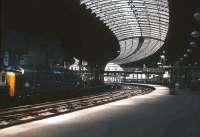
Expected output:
(22, 114)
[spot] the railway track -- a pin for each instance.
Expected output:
(22, 114)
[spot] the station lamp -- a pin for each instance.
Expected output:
(159, 63)
(185, 55)
(162, 56)
(189, 50)
(195, 63)
(196, 16)
(195, 34)
(193, 44)
(163, 52)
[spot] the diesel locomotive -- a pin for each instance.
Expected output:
(25, 81)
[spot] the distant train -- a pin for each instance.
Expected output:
(27, 80)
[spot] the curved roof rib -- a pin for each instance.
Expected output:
(141, 26)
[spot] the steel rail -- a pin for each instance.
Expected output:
(19, 115)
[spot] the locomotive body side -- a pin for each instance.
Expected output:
(41, 81)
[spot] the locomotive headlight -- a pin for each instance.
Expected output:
(26, 84)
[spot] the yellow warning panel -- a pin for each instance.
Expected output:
(10, 76)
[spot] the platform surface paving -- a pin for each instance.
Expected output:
(157, 114)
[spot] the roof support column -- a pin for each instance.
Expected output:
(97, 71)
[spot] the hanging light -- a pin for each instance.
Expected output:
(162, 56)
(158, 63)
(196, 16)
(195, 34)
(163, 52)
(185, 55)
(189, 50)
(193, 44)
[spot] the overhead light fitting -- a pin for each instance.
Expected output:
(185, 55)
(197, 16)
(193, 44)
(195, 34)
(189, 50)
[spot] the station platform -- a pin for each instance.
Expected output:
(156, 114)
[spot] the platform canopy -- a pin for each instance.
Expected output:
(141, 26)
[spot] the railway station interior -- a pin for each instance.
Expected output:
(100, 68)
